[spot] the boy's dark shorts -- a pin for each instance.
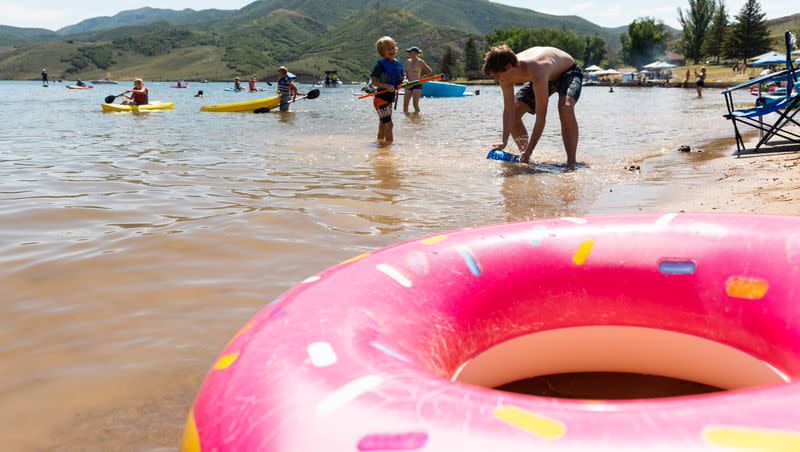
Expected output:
(567, 84)
(383, 108)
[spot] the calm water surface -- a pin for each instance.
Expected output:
(132, 247)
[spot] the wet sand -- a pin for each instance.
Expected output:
(765, 182)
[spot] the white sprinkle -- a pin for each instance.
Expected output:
(665, 219)
(575, 220)
(710, 230)
(311, 279)
(394, 274)
(321, 354)
(347, 394)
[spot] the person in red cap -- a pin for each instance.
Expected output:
(415, 68)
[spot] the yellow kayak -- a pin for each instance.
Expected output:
(155, 105)
(248, 105)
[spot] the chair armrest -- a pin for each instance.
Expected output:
(762, 79)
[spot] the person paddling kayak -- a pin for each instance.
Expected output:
(139, 95)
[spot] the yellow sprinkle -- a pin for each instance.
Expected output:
(244, 328)
(353, 259)
(191, 440)
(540, 426)
(226, 361)
(434, 239)
(763, 440)
(582, 252)
(747, 288)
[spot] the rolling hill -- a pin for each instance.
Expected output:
(309, 36)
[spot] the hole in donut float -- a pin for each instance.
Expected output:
(615, 362)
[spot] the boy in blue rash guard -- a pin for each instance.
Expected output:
(387, 74)
(286, 88)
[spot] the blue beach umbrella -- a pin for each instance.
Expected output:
(771, 58)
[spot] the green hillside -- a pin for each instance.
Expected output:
(15, 36)
(351, 47)
(309, 36)
(145, 16)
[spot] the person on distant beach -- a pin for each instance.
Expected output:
(701, 81)
(237, 86)
(544, 71)
(286, 88)
(44, 76)
(388, 75)
(139, 95)
(686, 78)
(416, 68)
(199, 94)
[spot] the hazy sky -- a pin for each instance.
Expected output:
(54, 14)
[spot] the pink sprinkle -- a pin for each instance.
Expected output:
(793, 249)
(393, 441)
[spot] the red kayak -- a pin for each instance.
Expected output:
(79, 87)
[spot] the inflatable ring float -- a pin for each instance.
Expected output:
(402, 348)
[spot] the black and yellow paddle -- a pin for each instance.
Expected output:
(313, 94)
(110, 99)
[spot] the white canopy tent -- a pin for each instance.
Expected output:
(593, 68)
(659, 65)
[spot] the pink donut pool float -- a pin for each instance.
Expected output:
(401, 348)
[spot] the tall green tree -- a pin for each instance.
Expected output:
(594, 50)
(748, 35)
(644, 41)
(448, 65)
(472, 60)
(717, 34)
(696, 22)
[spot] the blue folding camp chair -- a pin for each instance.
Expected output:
(785, 107)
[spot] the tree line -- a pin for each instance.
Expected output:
(707, 32)
(587, 50)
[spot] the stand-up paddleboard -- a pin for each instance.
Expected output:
(500, 154)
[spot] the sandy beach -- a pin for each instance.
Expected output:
(764, 182)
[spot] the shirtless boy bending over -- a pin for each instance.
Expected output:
(544, 71)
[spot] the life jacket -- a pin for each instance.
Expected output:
(394, 69)
(283, 85)
(252, 84)
(141, 98)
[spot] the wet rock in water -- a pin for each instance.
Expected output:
(684, 148)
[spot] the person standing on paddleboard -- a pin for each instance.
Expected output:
(544, 71)
(416, 68)
(44, 76)
(387, 74)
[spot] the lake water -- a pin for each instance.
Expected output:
(132, 247)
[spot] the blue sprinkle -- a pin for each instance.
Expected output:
(676, 267)
(388, 351)
(538, 235)
(471, 263)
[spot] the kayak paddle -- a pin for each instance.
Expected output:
(405, 85)
(110, 99)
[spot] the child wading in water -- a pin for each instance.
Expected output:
(286, 88)
(544, 71)
(416, 67)
(387, 74)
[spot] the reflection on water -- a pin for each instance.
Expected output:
(134, 246)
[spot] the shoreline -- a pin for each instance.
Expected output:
(719, 182)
